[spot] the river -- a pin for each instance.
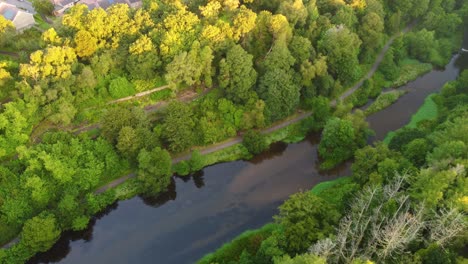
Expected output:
(200, 213)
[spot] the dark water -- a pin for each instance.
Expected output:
(199, 214)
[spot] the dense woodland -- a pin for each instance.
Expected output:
(250, 63)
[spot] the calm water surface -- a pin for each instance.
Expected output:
(200, 213)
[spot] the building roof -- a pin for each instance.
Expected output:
(8, 11)
(19, 18)
(63, 2)
(62, 5)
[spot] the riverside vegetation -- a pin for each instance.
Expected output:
(252, 63)
(405, 201)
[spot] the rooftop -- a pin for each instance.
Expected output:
(8, 11)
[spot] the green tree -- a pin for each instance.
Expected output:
(342, 48)
(154, 170)
(338, 141)
(197, 161)
(86, 44)
(237, 75)
(421, 44)
(188, 68)
(128, 142)
(278, 86)
(178, 126)
(371, 31)
(305, 218)
(255, 142)
(43, 6)
(416, 151)
(119, 117)
(40, 232)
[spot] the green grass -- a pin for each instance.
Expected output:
(383, 101)
(249, 240)
(410, 70)
(427, 111)
(41, 23)
(291, 134)
(323, 186)
(161, 95)
(232, 153)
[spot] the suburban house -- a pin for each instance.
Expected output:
(62, 5)
(21, 20)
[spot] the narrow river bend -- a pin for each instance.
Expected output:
(200, 213)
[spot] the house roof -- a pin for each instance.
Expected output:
(63, 2)
(8, 11)
(19, 18)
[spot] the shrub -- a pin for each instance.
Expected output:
(121, 87)
(182, 168)
(383, 101)
(254, 142)
(197, 161)
(40, 232)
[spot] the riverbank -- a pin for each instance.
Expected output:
(428, 111)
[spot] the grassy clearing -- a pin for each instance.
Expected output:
(232, 153)
(410, 70)
(41, 23)
(248, 240)
(427, 111)
(383, 101)
(324, 186)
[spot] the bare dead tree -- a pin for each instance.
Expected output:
(446, 225)
(398, 232)
(324, 248)
(367, 232)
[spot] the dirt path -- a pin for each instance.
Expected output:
(157, 89)
(9, 53)
(377, 62)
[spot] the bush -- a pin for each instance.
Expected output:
(182, 168)
(405, 136)
(255, 142)
(249, 242)
(383, 101)
(197, 161)
(337, 143)
(40, 232)
(305, 218)
(121, 87)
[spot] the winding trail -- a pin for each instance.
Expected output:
(157, 89)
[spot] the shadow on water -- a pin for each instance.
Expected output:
(197, 214)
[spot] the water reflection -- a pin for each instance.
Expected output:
(156, 201)
(275, 150)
